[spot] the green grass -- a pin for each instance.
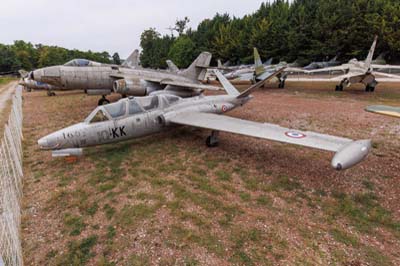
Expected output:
(74, 224)
(79, 252)
(344, 238)
(131, 215)
(364, 212)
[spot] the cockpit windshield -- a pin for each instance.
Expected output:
(97, 116)
(148, 103)
(116, 109)
(81, 63)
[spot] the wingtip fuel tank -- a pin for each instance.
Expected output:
(351, 154)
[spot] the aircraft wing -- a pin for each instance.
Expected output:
(375, 66)
(328, 69)
(180, 84)
(348, 152)
(190, 85)
(384, 110)
(260, 130)
(393, 76)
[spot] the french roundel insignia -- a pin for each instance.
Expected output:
(224, 108)
(295, 135)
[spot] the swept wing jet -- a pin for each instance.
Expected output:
(318, 65)
(141, 116)
(29, 84)
(356, 72)
(102, 80)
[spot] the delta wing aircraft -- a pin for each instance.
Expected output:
(356, 72)
(29, 84)
(102, 80)
(141, 116)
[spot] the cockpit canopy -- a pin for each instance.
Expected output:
(82, 63)
(130, 106)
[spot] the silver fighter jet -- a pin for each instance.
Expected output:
(104, 79)
(138, 117)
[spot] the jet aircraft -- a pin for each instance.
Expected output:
(318, 65)
(102, 80)
(356, 72)
(29, 84)
(141, 116)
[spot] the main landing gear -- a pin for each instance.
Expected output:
(343, 83)
(370, 87)
(282, 80)
(103, 101)
(51, 93)
(212, 140)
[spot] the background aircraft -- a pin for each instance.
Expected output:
(102, 80)
(318, 65)
(142, 116)
(356, 72)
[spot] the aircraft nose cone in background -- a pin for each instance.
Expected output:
(50, 75)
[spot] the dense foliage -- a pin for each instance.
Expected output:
(25, 55)
(303, 30)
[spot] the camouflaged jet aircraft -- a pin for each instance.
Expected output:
(105, 79)
(141, 116)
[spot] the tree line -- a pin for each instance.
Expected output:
(302, 30)
(25, 55)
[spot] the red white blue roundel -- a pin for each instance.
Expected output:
(295, 135)
(224, 108)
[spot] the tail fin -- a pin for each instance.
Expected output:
(268, 62)
(132, 60)
(197, 70)
(229, 88)
(260, 83)
(368, 61)
(172, 67)
(258, 65)
(333, 59)
(220, 64)
(23, 73)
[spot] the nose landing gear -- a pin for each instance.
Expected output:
(51, 93)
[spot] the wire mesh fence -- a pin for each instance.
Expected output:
(11, 185)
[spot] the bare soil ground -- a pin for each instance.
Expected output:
(169, 200)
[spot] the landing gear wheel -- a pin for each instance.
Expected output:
(212, 140)
(51, 93)
(339, 88)
(281, 84)
(103, 101)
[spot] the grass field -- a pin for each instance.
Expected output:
(167, 199)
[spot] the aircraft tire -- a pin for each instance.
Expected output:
(211, 143)
(368, 88)
(339, 88)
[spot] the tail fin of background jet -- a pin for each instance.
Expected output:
(333, 59)
(23, 73)
(172, 67)
(132, 60)
(197, 70)
(258, 65)
(220, 64)
(368, 61)
(268, 62)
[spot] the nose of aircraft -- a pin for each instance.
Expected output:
(43, 144)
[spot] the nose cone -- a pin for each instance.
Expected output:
(43, 144)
